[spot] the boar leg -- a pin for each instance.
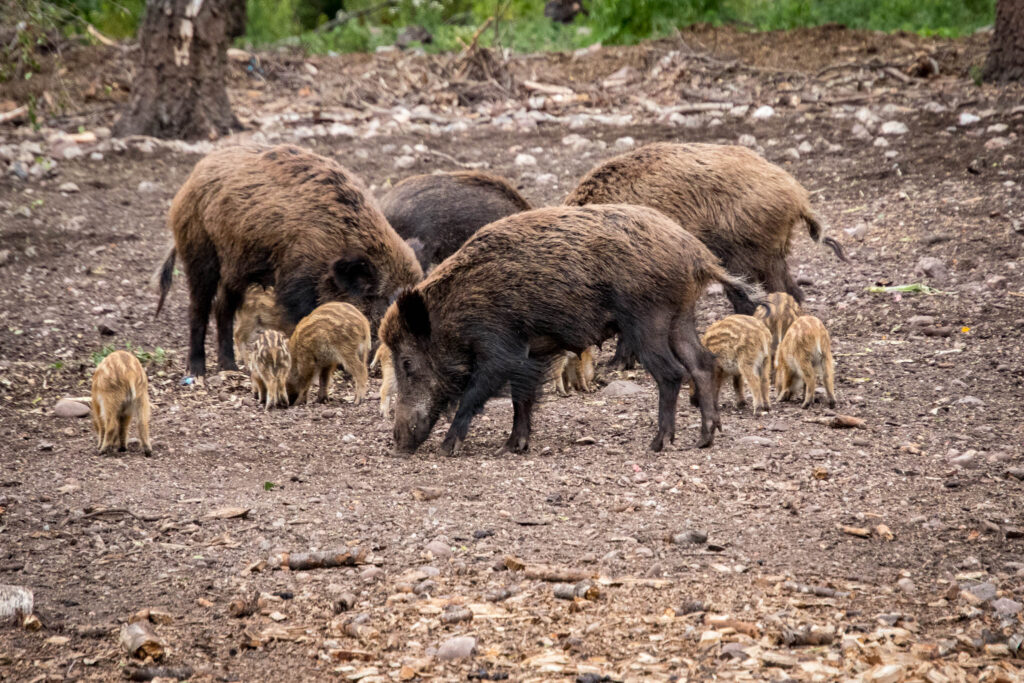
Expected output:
(765, 385)
(700, 363)
(143, 418)
(486, 381)
(227, 303)
(791, 287)
(737, 387)
(203, 274)
(810, 381)
(828, 376)
(356, 368)
(624, 358)
(524, 388)
(652, 342)
(124, 421)
(741, 304)
(325, 382)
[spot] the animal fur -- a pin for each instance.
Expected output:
(741, 206)
(572, 372)
(436, 213)
(387, 382)
(334, 334)
(271, 366)
(804, 354)
(778, 313)
(120, 392)
(525, 288)
(280, 216)
(259, 311)
(742, 348)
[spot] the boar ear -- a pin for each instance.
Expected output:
(413, 310)
(355, 276)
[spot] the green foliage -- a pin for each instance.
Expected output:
(929, 17)
(269, 485)
(157, 356)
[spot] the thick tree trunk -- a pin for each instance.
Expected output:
(1006, 55)
(179, 89)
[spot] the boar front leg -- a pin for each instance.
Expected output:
(485, 382)
(227, 303)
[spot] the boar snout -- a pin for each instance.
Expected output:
(412, 427)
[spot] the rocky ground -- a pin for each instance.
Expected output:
(789, 550)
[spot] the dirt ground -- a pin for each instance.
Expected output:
(908, 534)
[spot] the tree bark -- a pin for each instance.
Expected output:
(179, 90)
(1006, 55)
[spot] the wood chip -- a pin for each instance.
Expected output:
(227, 513)
(856, 531)
(140, 640)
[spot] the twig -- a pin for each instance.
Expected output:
(476, 36)
(111, 511)
(345, 17)
(14, 114)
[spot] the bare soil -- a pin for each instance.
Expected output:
(100, 538)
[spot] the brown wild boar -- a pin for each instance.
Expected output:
(740, 205)
(525, 288)
(742, 348)
(259, 311)
(572, 372)
(387, 378)
(778, 312)
(334, 334)
(280, 216)
(805, 352)
(271, 365)
(120, 391)
(436, 213)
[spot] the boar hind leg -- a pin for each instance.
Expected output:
(810, 378)
(325, 383)
(360, 375)
(624, 357)
(124, 421)
(228, 301)
(143, 418)
(741, 303)
(203, 274)
(524, 396)
(652, 342)
(828, 376)
(700, 363)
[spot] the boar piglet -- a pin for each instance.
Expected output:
(742, 348)
(120, 391)
(334, 334)
(387, 375)
(805, 353)
(778, 312)
(271, 363)
(436, 213)
(280, 216)
(572, 372)
(259, 311)
(525, 288)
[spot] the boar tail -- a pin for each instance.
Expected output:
(752, 293)
(164, 277)
(817, 232)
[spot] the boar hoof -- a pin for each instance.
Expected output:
(694, 401)
(148, 452)
(515, 445)
(832, 403)
(706, 439)
(451, 446)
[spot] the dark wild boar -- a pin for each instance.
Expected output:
(524, 289)
(120, 391)
(436, 213)
(743, 207)
(280, 216)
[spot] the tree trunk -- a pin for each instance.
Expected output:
(1006, 55)
(179, 90)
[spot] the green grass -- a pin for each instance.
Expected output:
(157, 356)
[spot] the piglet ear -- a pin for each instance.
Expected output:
(413, 311)
(356, 277)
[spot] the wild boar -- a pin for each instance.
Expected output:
(572, 372)
(271, 366)
(778, 313)
(804, 353)
(742, 348)
(387, 381)
(334, 334)
(436, 213)
(525, 288)
(280, 216)
(120, 391)
(259, 311)
(740, 205)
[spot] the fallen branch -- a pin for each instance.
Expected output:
(541, 572)
(14, 114)
(820, 591)
(320, 560)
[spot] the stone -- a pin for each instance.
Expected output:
(860, 132)
(997, 128)
(932, 268)
(907, 586)
(756, 441)
(805, 147)
(146, 186)
(456, 648)
(5, 257)
(921, 320)
(525, 160)
(880, 142)
(968, 119)
(690, 537)
(69, 188)
(546, 179)
(967, 459)
(1006, 608)
(439, 548)
(747, 140)
(72, 152)
(997, 143)
(405, 161)
(371, 573)
(68, 408)
(858, 232)
(996, 283)
(894, 128)
(792, 153)
(576, 142)
(979, 593)
(625, 143)
(973, 401)
(763, 112)
(621, 387)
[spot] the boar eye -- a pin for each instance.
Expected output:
(407, 366)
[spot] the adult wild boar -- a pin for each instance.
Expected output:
(286, 217)
(523, 289)
(436, 213)
(740, 205)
